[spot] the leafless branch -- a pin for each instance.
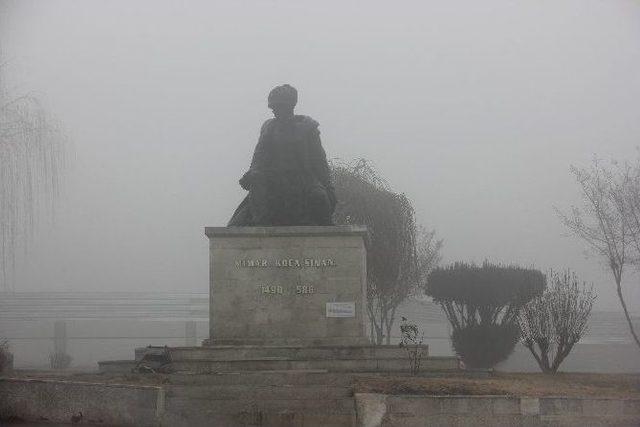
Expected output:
(31, 156)
(608, 220)
(551, 324)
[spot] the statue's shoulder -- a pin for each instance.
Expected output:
(307, 123)
(266, 126)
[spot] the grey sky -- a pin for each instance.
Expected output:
(474, 109)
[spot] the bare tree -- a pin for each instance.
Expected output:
(399, 254)
(31, 156)
(604, 221)
(629, 187)
(422, 254)
(552, 323)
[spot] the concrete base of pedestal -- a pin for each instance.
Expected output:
(218, 359)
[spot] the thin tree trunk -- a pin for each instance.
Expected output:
(541, 364)
(626, 312)
(383, 320)
(390, 321)
(379, 335)
(544, 355)
(560, 356)
(371, 330)
(377, 331)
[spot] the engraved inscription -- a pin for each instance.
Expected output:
(251, 263)
(280, 290)
(286, 263)
(326, 262)
(271, 289)
(305, 289)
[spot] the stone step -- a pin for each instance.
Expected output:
(211, 366)
(289, 352)
(116, 366)
(256, 392)
(335, 365)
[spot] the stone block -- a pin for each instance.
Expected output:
(603, 407)
(506, 405)
(480, 405)
(414, 405)
(529, 406)
(456, 405)
(271, 285)
(631, 407)
(370, 408)
(560, 406)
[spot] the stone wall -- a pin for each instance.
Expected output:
(385, 410)
(232, 403)
(59, 401)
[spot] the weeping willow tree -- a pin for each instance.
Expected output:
(31, 157)
(400, 254)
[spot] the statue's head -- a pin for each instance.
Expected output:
(282, 100)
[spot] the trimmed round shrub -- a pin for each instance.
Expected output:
(482, 304)
(483, 346)
(493, 285)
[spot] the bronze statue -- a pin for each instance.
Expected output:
(288, 181)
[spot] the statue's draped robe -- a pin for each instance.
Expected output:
(288, 181)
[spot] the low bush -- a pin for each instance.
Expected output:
(482, 304)
(483, 346)
(552, 323)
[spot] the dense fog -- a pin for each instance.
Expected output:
(474, 110)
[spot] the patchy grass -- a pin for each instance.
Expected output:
(534, 385)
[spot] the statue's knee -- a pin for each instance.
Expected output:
(318, 199)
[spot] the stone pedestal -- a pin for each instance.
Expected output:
(284, 299)
(277, 286)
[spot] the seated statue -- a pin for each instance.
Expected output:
(288, 181)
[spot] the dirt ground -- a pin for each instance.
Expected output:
(505, 384)
(511, 384)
